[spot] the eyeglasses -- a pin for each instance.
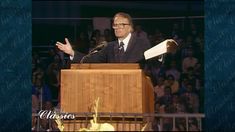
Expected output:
(120, 25)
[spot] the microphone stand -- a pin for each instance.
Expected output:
(84, 57)
(93, 51)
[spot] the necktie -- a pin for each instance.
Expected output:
(121, 51)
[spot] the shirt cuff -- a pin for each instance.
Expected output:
(71, 57)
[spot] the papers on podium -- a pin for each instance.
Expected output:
(169, 45)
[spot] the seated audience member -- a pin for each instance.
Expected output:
(192, 99)
(189, 61)
(172, 83)
(41, 91)
(173, 71)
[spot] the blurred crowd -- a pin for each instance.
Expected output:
(178, 81)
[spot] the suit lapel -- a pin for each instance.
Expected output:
(129, 47)
(115, 50)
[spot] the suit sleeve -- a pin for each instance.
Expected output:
(77, 57)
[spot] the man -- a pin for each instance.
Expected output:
(126, 49)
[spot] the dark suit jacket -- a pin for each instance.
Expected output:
(134, 52)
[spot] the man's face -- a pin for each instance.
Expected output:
(121, 27)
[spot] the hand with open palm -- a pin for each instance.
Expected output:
(66, 48)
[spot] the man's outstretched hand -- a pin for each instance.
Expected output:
(171, 45)
(66, 48)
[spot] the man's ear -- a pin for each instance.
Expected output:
(131, 29)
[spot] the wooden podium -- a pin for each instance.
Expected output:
(121, 88)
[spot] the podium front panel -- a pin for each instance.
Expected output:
(119, 90)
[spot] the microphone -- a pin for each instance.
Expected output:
(99, 47)
(95, 50)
